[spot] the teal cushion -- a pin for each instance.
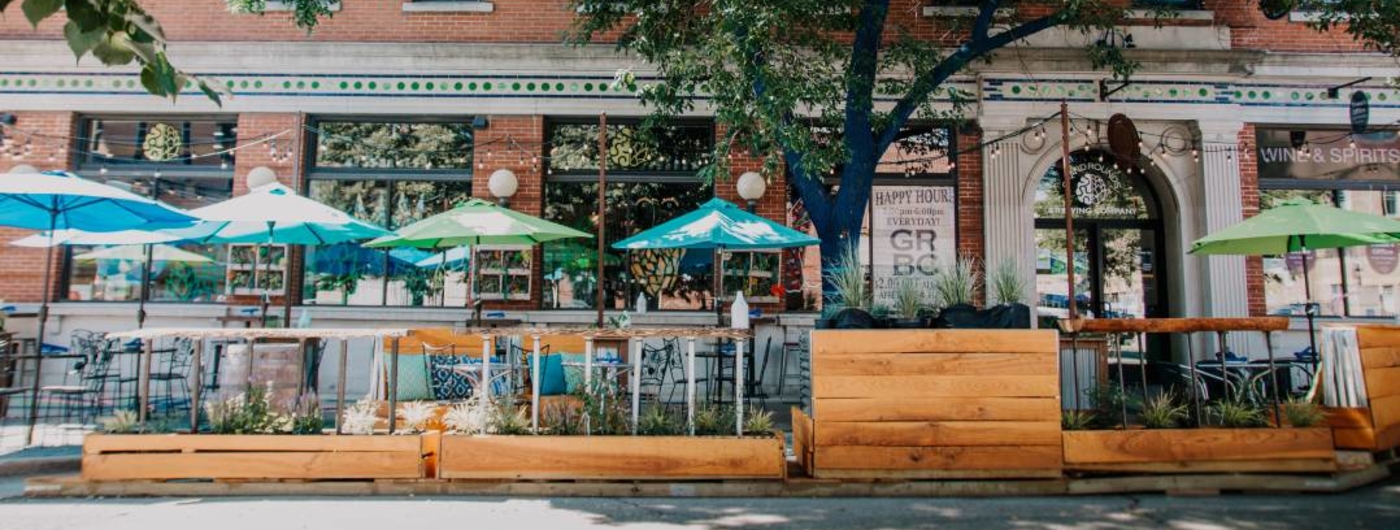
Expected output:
(414, 383)
(552, 378)
(573, 375)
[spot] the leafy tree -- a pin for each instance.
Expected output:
(793, 81)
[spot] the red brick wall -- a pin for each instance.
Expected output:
(515, 143)
(1249, 195)
(544, 21)
(22, 269)
(773, 204)
(287, 163)
(971, 239)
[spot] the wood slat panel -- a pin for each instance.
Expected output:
(1385, 412)
(1387, 356)
(849, 342)
(952, 433)
(1359, 438)
(1348, 417)
(1388, 438)
(980, 477)
(934, 364)
(802, 439)
(1183, 325)
(934, 386)
(610, 457)
(438, 337)
(252, 465)
(1232, 466)
(938, 458)
(936, 409)
(1382, 382)
(1184, 445)
(152, 443)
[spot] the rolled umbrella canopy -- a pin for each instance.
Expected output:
(59, 200)
(718, 225)
(274, 214)
(158, 252)
(1300, 226)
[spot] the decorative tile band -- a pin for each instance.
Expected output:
(602, 87)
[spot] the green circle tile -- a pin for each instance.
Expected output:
(559, 87)
(602, 87)
(429, 85)
(1174, 92)
(357, 85)
(257, 84)
(1294, 95)
(129, 83)
(88, 83)
(530, 86)
(471, 85)
(413, 85)
(1203, 92)
(515, 85)
(61, 83)
(588, 87)
(4, 82)
(32, 83)
(402, 85)
(116, 84)
(573, 87)
(301, 84)
(486, 85)
(544, 86)
(315, 84)
(1015, 89)
(344, 85)
(1268, 94)
(1381, 96)
(1253, 94)
(458, 86)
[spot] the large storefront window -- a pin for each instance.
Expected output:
(182, 161)
(390, 175)
(1353, 172)
(651, 179)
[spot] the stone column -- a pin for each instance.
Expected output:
(1008, 207)
(1224, 292)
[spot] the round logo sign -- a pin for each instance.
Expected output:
(1383, 258)
(162, 143)
(1090, 188)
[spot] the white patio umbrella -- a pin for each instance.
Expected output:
(156, 252)
(125, 245)
(274, 214)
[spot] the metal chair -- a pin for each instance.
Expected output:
(174, 374)
(660, 365)
(80, 398)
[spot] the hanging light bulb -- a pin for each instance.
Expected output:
(157, 173)
(1352, 142)
(102, 170)
(222, 165)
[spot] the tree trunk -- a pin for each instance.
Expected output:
(837, 218)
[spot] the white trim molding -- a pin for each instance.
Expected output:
(449, 6)
(1180, 14)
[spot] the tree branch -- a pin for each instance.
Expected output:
(968, 52)
(860, 84)
(984, 18)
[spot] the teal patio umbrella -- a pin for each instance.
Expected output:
(1300, 226)
(717, 225)
(58, 200)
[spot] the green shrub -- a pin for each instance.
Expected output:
(1163, 412)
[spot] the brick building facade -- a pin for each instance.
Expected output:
(1211, 81)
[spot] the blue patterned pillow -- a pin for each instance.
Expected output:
(446, 383)
(413, 379)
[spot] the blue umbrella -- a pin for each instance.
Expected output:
(59, 200)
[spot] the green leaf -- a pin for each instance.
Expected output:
(38, 10)
(4, 4)
(79, 41)
(114, 50)
(84, 14)
(211, 93)
(146, 24)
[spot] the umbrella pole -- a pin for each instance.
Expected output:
(145, 285)
(1065, 170)
(602, 208)
(267, 273)
(43, 320)
(286, 293)
(1309, 310)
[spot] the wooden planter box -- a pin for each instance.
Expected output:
(1377, 427)
(113, 457)
(1264, 450)
(611, 458)
(932, 404)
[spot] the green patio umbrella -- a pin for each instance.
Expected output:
(1299, 226)
(476, 222)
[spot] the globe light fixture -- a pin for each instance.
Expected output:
(24, 169)
(751, 187)
(260, 176)
(503, 185)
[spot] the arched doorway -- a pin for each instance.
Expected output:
(1119, 241)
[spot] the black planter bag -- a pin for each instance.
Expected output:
(852, 319)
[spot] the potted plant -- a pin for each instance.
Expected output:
(851, 296)
(909, 300)
(1008, 290)
(956, 287)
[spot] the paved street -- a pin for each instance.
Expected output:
(1375, 507)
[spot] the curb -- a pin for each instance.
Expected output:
(40, 466)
